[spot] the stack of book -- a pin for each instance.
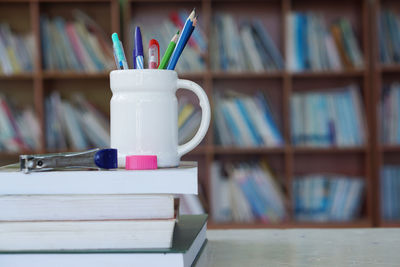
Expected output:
(20, 130)
(16, 51)
(192, 58)
(327, 197)
(245, 120)
(188, 119)
(243, 47)
(98, 218)
(76, 125)
(389, 36)
(389, 192)
(79, 45)
(334, 118)
(390, 114)
(246, 192)
(312, 46)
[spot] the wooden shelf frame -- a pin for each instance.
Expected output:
(369, 79)
(287, 81)
(381, 74)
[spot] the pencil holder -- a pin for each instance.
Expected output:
(144, 115)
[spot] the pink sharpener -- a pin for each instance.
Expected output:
(141, 162)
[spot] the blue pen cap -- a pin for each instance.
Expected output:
(106, 158)
(138, 42)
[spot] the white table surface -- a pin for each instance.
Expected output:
(302, 247)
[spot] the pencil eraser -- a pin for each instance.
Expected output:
(141, 162)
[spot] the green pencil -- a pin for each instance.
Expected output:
(168, 52)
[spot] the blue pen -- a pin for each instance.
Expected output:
(138, 49)
(134, 59)
(187, 30)
(119, 54)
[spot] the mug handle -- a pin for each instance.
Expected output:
(205, 115)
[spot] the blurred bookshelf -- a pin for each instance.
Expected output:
(386, 70)
(287, 160)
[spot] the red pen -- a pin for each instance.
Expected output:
(154, 54)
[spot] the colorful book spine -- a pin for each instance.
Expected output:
(74, 45)
(74, 124)
(16, 51)
(325, 198)
(240, 46)
(249, 119)
(314, 46)
(332, 117)
(20, 129)
(248, 193)
(389, 191)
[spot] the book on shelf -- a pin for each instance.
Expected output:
(192, 58)
(243, 46)
(389, 114)
(75, 124)
(189, 117)
(389, 192)
(245, 120)
(312, 45)
(16, 51)
(76, 45)
(327, 197)
(20, 130)
(246, 192)
(329, 118)
(389, 37)
(189, 241)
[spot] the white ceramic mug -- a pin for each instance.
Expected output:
(144, 115)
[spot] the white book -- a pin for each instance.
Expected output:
(263, 128)
(290, 46)
(93, 129)
(220, 195)
(241, 209)
(85, 235)
(334, 117)
(188, 247)
(309, 117)
(333, 53)
(76, 137)
(240, 123)
(180, 180)
(359, 114)
(224, 134)
(270, 189)
(85, 207)
(190, 204)
(250, 49)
